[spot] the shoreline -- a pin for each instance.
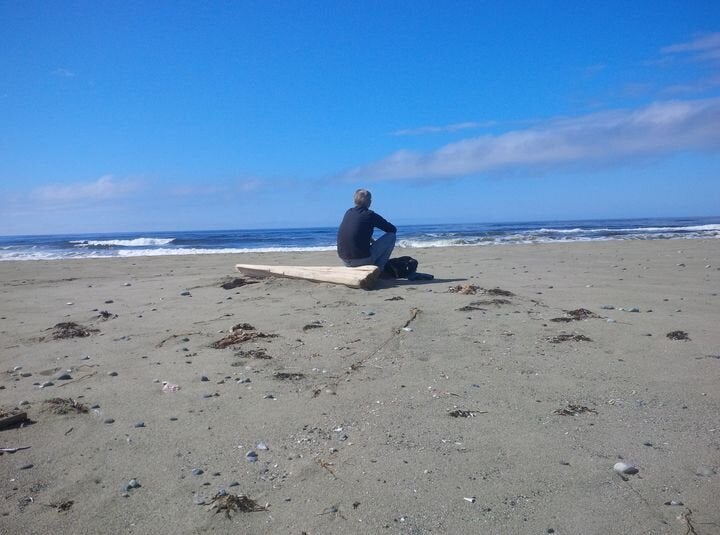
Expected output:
(354, 410)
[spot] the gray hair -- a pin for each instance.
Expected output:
(363, 198)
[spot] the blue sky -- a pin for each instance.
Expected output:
(131, 116)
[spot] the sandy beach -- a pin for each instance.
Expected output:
(501, 407)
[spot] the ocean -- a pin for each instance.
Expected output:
(128, 244)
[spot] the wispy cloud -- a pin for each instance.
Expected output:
(104, 188)
(600, 138)
(64, 73)
(693, 87)
(223, 188)
(705, 47)
(448, 128)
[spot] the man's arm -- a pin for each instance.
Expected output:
(384, 225)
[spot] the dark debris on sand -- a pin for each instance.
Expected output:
(465, 289)
(471, 289)
(678, 335)
(469, 308)
(70, 329)
(574, 410)
(236, 283)
(63, 506)
(464, 413)
(253, 354)
(497, 302)
(242, 332)
(226, 503)
(500, 292)
(284, 376)
(576, 315)
(65, 406)
(568, 338)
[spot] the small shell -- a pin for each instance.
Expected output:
(624, 468)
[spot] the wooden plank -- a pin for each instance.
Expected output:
(357, 277)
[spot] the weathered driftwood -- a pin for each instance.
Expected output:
(357, 277)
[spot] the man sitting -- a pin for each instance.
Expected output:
(355, 244)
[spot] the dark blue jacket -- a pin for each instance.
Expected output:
(356, 230)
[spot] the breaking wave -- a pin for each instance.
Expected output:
(135, 242)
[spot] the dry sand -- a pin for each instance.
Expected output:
(359, 431)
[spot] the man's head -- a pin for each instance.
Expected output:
(363, 198)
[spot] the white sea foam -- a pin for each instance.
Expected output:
(137, 242)
(175, 252)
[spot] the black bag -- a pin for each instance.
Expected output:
(401, 268)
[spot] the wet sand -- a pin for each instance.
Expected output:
(353, 393)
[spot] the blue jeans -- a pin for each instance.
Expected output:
(380, 252)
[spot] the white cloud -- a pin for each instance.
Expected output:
(249, 185)
(703, 48)
(695, 86)
(65, 73)
(105, 187)
(599, 138)
(221, 189)
(442, 129)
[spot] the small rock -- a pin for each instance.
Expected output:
(133, 484)
(624, 468)
(251, 456)
(234, 484)
(268, 396)
(185, 294)
(207, 396)
(139, 424)
(633, 309)
(705, 471)
(86, 357)
(197, 471)
(26, 374)
(27, 466)
(173, 418)
(46, 384)
(674, 502)
(261, 445)
(113, 374)
(109, 421)
(244, 381)
(204, 378)
(95, 406)
(23, 403)
(64, 377)
(127, 284)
